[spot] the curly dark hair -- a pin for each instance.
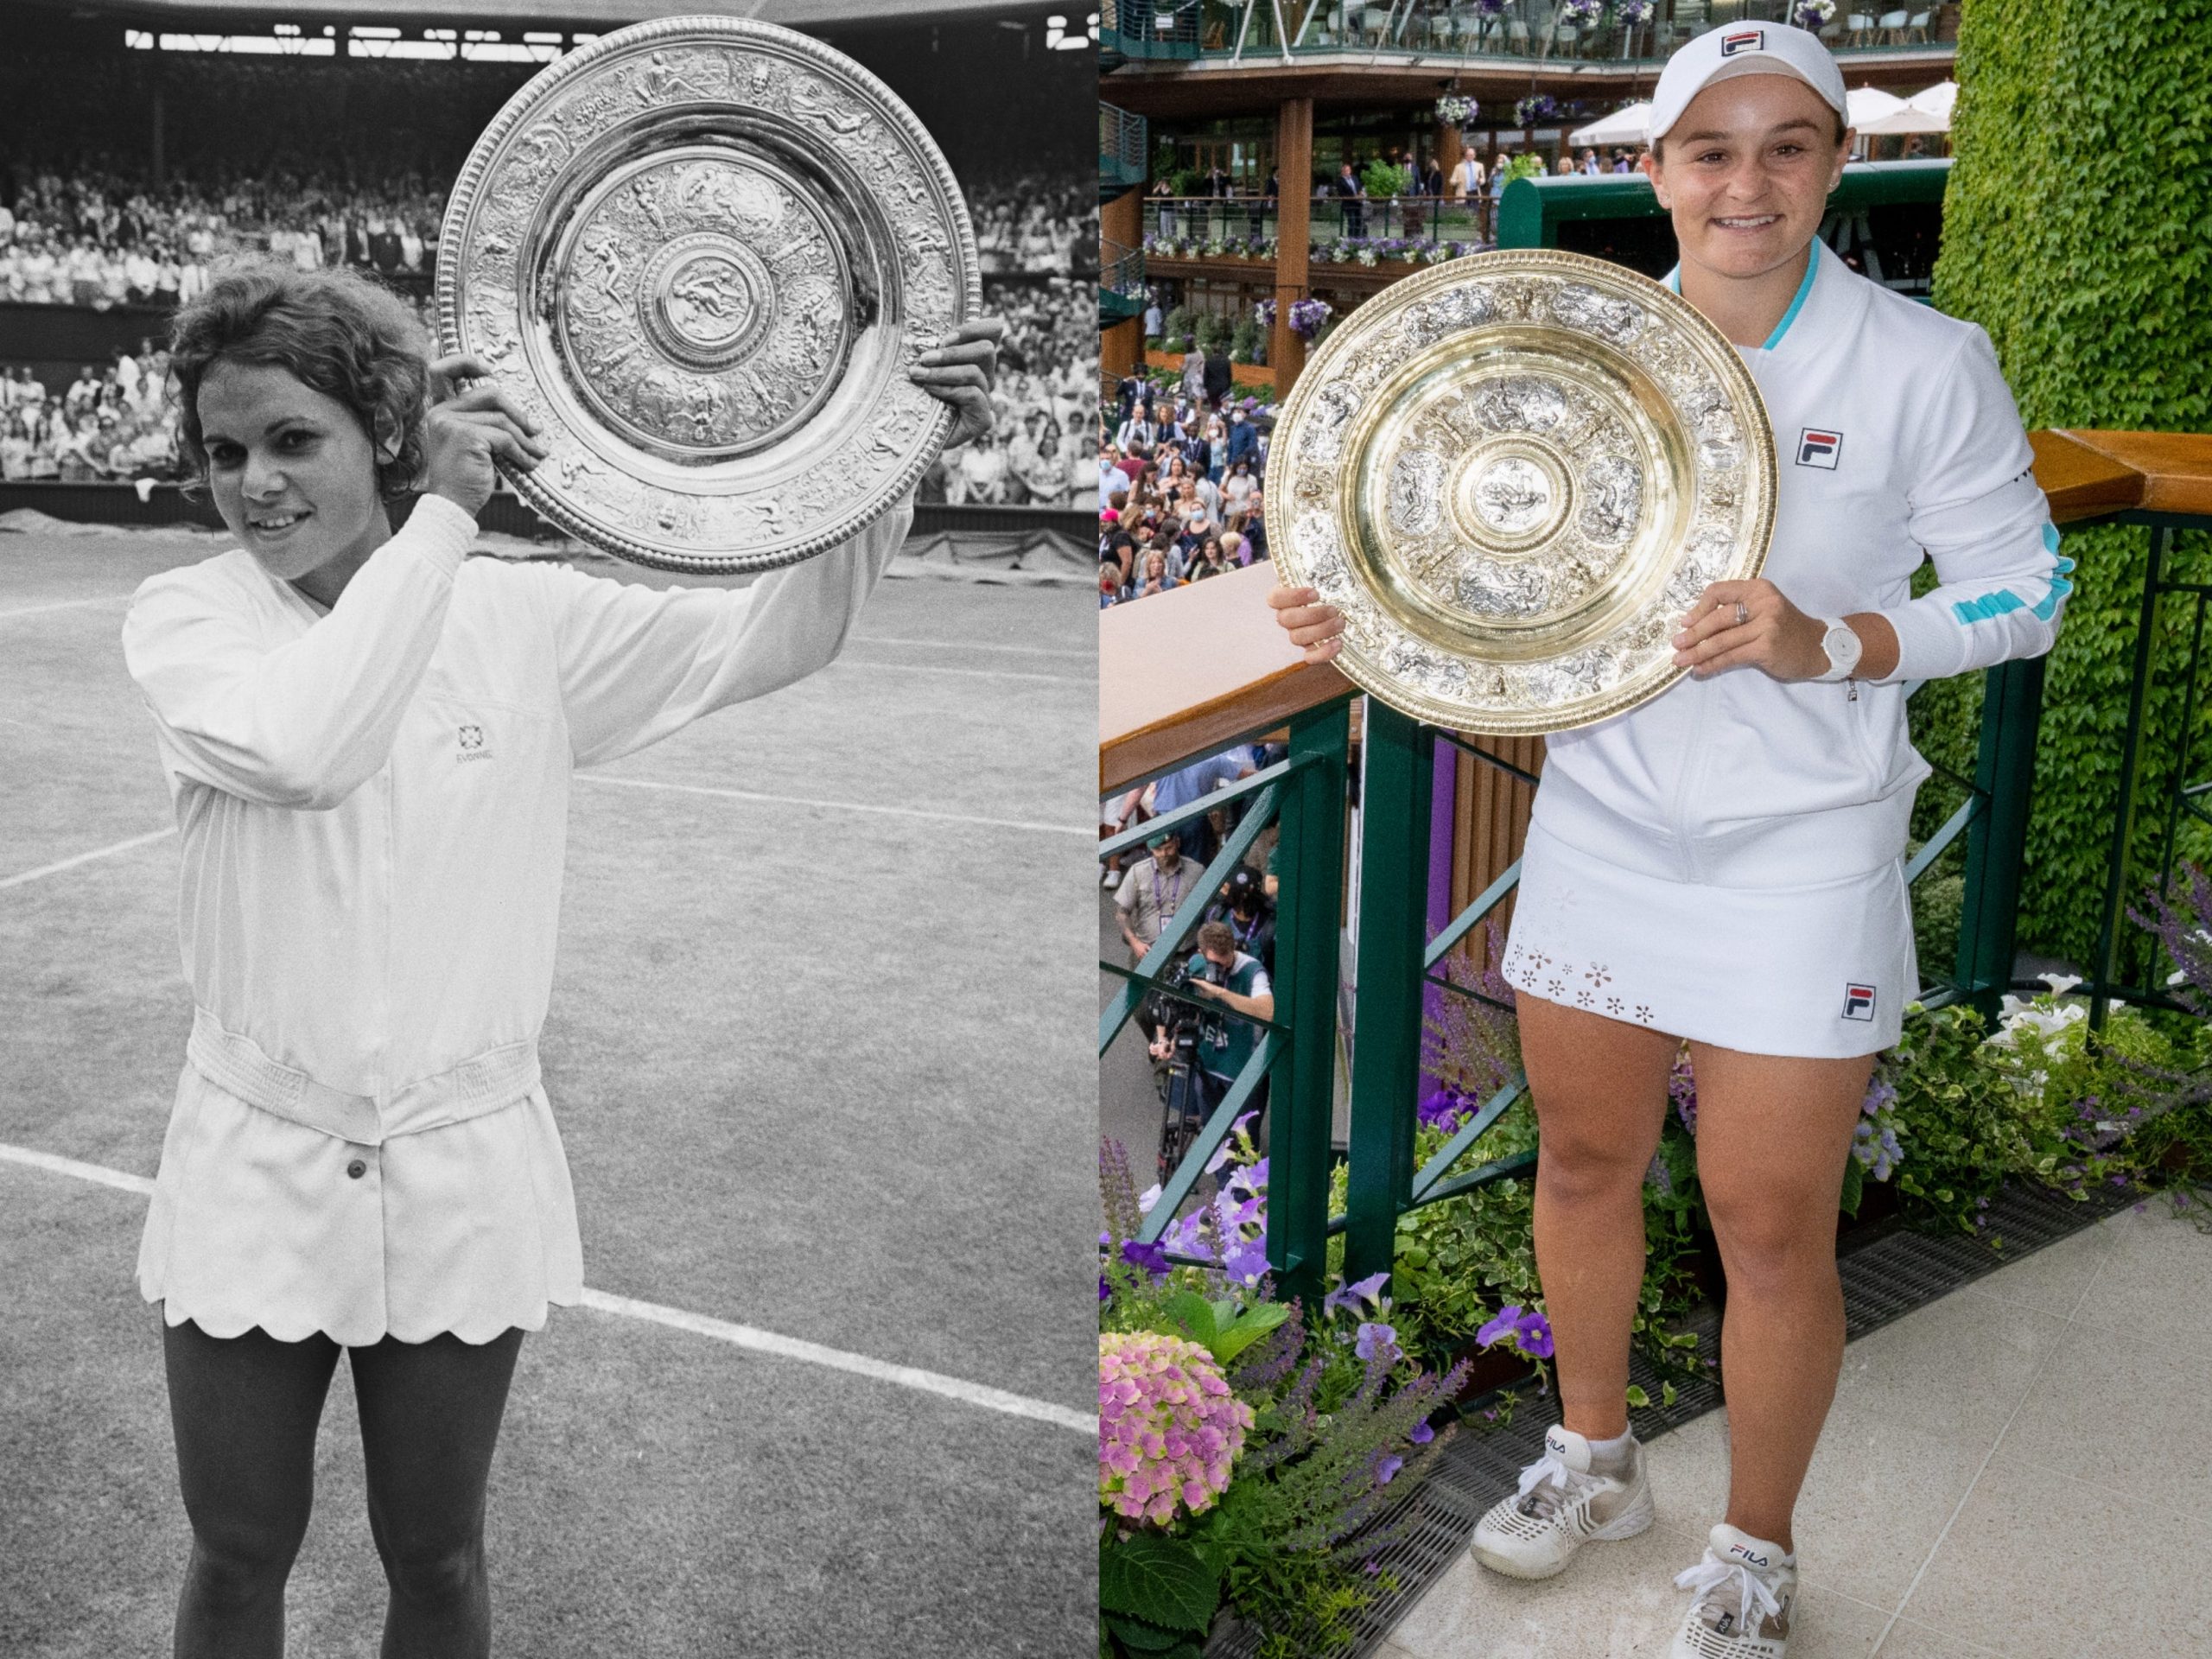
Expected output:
(333, 330)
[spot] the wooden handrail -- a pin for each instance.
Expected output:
(1188, 671)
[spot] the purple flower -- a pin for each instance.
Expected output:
(1366, 1290)
(1386, 1471)
(1105, 1291)
(1530, 1332)
(1374, 1337)
(1152, 1258)
(1423, 1433)
(1247, 1262)
(1500, 1326)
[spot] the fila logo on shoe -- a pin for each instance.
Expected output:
(1819, 449)
(1858, 1004)
(1756, 1561)
(1743, 40)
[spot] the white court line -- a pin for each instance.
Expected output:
(740, 1336)
(840, 806)
(59, 1166)
(967, 645)
(65, 604)
(965, 673)
(17, 879)
(907, 1376)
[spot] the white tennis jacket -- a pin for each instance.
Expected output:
(372, 804)
(1897, 440)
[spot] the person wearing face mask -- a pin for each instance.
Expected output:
(1723, 864)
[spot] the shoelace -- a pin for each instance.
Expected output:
(1549, 1470)
(1709, 1575)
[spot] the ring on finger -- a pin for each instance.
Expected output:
(1743, 613)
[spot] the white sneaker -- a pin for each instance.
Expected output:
(1745, 1591)
(1561, 1505)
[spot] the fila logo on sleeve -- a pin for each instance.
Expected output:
(1743, 40)
(1859, 1002)
(1817, 448)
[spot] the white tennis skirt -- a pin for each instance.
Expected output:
(1821, 971)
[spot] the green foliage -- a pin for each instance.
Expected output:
(1244, 341)
(1382, 180)
(1221, 1327)
(1189, 181)
(1156, 1593)
(2074, 231)
(1175, 331)
(1212, 330)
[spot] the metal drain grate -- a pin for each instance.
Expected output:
(1894, 1271)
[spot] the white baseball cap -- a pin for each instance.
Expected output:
(1743, 50)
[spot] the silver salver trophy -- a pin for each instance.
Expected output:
(702, 253)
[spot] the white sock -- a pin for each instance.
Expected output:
(1608, 1455)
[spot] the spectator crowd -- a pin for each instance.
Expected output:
(1180, 483)
(109, 424)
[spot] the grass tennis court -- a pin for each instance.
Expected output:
(821, 1071)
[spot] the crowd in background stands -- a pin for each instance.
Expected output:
(1046, 395)
(109, 425)
(1032, 223)
(1181, 490)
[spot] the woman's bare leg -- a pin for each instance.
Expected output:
(1772, 1137)
(1599, 1088)
(431, 1418)
(244, 1410)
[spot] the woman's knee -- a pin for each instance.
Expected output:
(238, 1563)
(1775, 1240)
(434, 1572)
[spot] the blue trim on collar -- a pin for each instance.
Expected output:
(1674, 279)
(1805, 288)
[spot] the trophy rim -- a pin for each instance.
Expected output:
(467, 192)
(1720, 354)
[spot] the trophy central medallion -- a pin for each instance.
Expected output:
(700, 305)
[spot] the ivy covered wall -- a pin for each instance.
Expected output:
(2077, 230)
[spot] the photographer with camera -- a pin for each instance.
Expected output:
(1243, 906)
(1235, 984)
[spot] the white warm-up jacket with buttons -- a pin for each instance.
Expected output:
(372, 809)
(1896, 440)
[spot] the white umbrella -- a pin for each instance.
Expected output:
(1867, 104)
(1622, 127)
(1927, 111)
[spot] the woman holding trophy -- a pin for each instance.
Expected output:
(1721, 865)
(700, 340)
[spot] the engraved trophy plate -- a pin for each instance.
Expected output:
(1511, 472)
(702, 254)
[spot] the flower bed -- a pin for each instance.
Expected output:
(1252, 1478)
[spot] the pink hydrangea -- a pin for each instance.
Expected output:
(1168, 1428)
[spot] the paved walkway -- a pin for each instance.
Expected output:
(2015, 1471)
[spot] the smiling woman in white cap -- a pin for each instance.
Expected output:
(1723, 865)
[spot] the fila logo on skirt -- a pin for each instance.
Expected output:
(1859, 1002)
(1743, 40)
(1819, 449)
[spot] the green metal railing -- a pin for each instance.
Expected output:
(1449, 33)
(1149, 28)
(2120, 973)
(1396, 962)
(1122, 146)
(1246, 226)
(1121, 282)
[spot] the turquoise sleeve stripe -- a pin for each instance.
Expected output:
(1968, 612)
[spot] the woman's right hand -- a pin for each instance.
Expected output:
(465, 429)
(1318, 627)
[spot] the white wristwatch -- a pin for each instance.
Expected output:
(1842, 647)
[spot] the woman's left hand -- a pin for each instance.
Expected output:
(1775, 636)
(960, 371)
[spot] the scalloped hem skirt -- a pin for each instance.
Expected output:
(256, 1220)
(1821, 971)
